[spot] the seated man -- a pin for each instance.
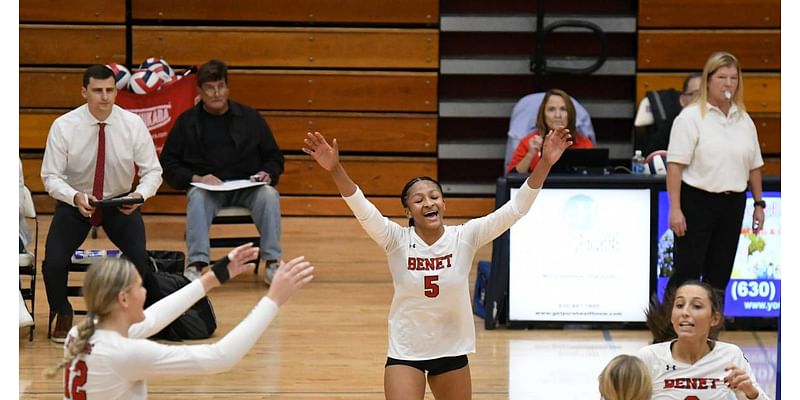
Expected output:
(92, 153)
(219, 140)
(523, 122)
(656, 112)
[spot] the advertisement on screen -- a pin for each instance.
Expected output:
(755, 286)
(581, 255)
(565, 368)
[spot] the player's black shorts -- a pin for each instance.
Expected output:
(433, 367)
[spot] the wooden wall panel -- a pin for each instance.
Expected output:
(71, 44)
(356, 132)
(34, 127)
(268, 90)
(91, 11)
(290, 47)
(31, 172)
(709, 13)
(335, 90)
(689, 49)
(380, 176)
(762, 91)
(769, 132)
(43, 203)
(62, 85)
(772, 166)
(376, 176)
(311, 11)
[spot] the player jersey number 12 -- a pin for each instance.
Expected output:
(74, 390)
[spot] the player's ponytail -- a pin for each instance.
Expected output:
(74, 347)
(101, 286)
(658, 318)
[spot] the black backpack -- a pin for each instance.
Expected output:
(167, 260)
(198, 322)
(665, 106)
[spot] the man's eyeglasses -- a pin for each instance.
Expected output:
(211, 90)
(693, 93)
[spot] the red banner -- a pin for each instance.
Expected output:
(159, 110)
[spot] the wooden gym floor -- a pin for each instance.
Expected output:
(329, 340)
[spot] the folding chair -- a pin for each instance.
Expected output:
(28, 260)
(76, 290)
(231, 216)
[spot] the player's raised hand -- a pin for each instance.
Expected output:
(239, 258)
(289, 278)
(556, 141)
(230, 266)
(316, 146)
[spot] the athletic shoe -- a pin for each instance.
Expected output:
(270, 268)
(191, 273)
(194, 270)
(25, 318)
(63, 325)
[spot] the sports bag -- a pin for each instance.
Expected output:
(197, 322)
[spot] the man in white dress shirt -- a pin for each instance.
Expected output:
(97, 130)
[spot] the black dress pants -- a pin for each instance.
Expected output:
(713, 227)
(67, 232)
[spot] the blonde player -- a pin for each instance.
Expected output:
(107, 355)
(431, 329)
(625, 378)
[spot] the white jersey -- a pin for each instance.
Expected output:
(431, 313)
(703, 380)
(117, 367)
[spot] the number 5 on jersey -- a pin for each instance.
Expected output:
(431, 287)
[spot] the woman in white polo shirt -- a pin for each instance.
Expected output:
(713, 153)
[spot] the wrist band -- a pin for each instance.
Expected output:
(220, 269)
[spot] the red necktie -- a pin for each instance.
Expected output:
(99, 174)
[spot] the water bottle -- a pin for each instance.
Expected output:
(637, 163)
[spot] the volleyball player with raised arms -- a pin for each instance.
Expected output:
(431, 328)
(107, 355)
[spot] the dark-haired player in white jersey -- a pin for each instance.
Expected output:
(431, 328)
(687, 362)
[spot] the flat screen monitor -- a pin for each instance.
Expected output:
(581, 255)
(755, 286)
(581, 161)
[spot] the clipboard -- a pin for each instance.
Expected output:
(116, 202)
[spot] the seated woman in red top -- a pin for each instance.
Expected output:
(556, 110)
